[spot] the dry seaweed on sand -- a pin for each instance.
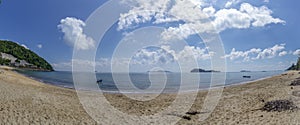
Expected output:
(181, 116)
(193, 113)
(295, 82)
(279, 106)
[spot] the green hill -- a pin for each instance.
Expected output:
(19, 56)
(295, 66)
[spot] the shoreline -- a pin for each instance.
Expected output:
(26, 101)
(117, 92)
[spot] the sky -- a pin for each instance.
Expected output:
(256, 35)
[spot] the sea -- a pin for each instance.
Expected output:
(150, 82)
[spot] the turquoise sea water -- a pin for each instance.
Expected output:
(142, 81)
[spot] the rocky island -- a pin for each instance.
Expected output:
(159, 71)
(202, 70)
(14, 55)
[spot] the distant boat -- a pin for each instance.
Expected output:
(99, 81)
(247, 77)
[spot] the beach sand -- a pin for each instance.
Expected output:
(26, 101)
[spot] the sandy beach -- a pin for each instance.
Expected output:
(26, 101)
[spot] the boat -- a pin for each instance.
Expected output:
(99, 81)
(246, 76)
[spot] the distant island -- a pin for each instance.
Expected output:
(14, 55)
(202, 70)
(160, 71)
(295, 66)
(245, 71)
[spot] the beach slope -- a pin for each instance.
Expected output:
(26, 101)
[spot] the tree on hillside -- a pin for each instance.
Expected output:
(295, 66)
(22, 53)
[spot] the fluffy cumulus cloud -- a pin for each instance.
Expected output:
(143, 11)
(271, 52)
(194, 52)
(153, 56)
(257, 53)
(297, 52)
(73, 33)
(194, 14)
(260, 16)
(231, 3)
(283, 53)
(165, 55)
(231, 18)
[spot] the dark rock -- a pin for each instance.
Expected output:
(279, 106)
(192, 113)
(186, 117)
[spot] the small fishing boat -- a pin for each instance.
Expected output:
(246, 76)
(99, 81)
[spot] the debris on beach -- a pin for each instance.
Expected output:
(186, 117)
(295, 82)
(193, 113)
(279, 106)
(181, 116)
(296, 93)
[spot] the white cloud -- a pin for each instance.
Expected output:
(260, 16)
(231, 18)
(40, 46)
(266, 1)
(194, 52)
(257, 53)
(271, 52)
(185, 30)
(187, 11)
(144, 11)
(243, 54)
(210, 11)
(283, 53)
(231, 3)
(297, 52)
(194, 14)
(165, 55)
(153, 56)
(73, 33)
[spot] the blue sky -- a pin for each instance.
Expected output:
(261, 41)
